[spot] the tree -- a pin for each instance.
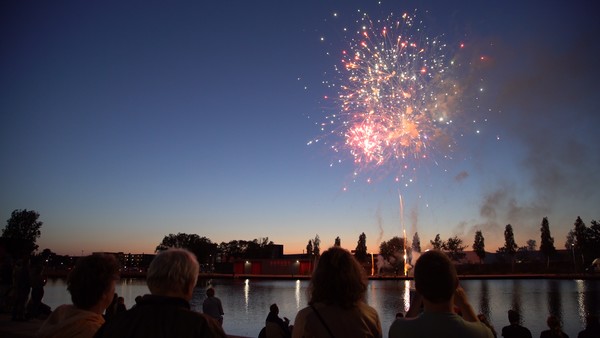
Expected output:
(338, 241)
(582, 243)
(361, 248)
(437, 243)
(547, 241)
(454, 248)
(309, 248)
(24, 227)
(393, 252)
(479, 245)
(202, 247)
(316, 246)
(416, 243)
(510, 247)
(594, 238)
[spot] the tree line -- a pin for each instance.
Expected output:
(23, 228)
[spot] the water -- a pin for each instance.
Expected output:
(246, 302)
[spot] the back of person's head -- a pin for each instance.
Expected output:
(513, 317)
(91, 278)
(172, 271)
(274, 308)
(553, 323)
(435, 276)
(210, 292)
(338, 279)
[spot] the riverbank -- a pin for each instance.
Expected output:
(573, 276)
(27, 329)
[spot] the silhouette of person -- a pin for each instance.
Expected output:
(35, 307)
(275, 326)
(436, 283)
(592, 327)
(91, 284)
(212, 306)
(165, 312)
(21, 288)
(555, 329)
(515, 330)
(121, 305)
(337, 304)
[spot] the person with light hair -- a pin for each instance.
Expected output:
(438, 292)
(166, 311)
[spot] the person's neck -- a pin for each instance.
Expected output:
(445, 307)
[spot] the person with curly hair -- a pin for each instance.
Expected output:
(91, 284)
(337, 306)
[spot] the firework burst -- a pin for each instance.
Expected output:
(395, 97)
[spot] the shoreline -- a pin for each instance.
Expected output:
(201, 276)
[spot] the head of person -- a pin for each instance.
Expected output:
(274, 308)
(91, 283)
(173, 272)
(553, 323)
(338, 279)
(435, 277)
(210, 292)
(513, 317)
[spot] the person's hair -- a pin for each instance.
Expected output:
(91, 278)
(273, 308)
(338, 279)
(210, 292)
(554, 324)
(172, 269)
(513, 317)
(435, 277)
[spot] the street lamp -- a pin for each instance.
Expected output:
(573, 252)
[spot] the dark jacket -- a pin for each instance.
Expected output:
(157, 316)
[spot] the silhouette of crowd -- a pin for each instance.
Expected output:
(336, 307)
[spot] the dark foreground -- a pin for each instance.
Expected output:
(12, 329)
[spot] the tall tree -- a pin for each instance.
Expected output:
(317, 246)
(338, 241)
(23, 226)
(479, 245)
(510, 247)
(547, 241)
(437, 243)
(361, 248)
(309, 248)
(581, 234)
(594, 238)
(416, 243)
(454, 248)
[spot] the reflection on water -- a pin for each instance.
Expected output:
(246, 302)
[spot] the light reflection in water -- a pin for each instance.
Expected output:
(246, 308)
(406, 295)
(297, 293)
(580, 298)
(247, 294)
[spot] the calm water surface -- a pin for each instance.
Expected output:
(246, 302)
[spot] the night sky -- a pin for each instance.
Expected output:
(124, 121)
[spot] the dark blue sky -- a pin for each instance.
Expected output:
(122, 122)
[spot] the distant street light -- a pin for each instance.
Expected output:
(573, 252)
